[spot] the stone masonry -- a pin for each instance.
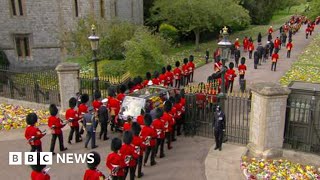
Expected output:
(45, 21)
(267, 123)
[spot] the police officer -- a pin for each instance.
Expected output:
(219, 127)
(90, 125)
(104, 119)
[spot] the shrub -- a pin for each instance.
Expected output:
(169, 32)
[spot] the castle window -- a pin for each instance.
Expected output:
(22, 46)
(76, 8)
(102, 11)
(17, 7)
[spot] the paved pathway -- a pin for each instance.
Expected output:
(264, 73)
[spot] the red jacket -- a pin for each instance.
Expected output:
(115, 163)
(270, 31)
(162, 79)
(169, 77)
(56, 123)
(155, 81)
(158, 125)
(114, 106)
(251, 46)
(33, 131)
(126, 126)
(185, 69)
(140, 121)
(82, 109)
(96, 104)
(242, 69)
(178, 107)
(191, 66)
(72, 114)
(231, 74)
(121, 96)
(236, 44)
(39, 176)
(217, 66)
(245, 43)
(276, 43)
(168, 121)
(289, 46)
(128, 155)
(93, 174)
(275, 57)
(177, 73)
(148, 135)
(138, 145)
(183, 103)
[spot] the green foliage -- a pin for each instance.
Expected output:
(314, 10)
(197, 15)
(4, 59)
(169, 32)
(111, 45)
(144, 52)
(111, 67)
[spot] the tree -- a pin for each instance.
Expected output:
(197, 16)
(144, 52)
(314, 9)
(288, 4)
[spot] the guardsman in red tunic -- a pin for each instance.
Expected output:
(274, 59)
(178, 118)
(162, 77)
(307, 31)
(114, 107)
(237, 44)
(138, 146)
(140, 119)
(73, 118)
(55, 125)
(92, 173)
(155, 79)
(169, 76)
(158, 125)
(127, 125)
(122, 94)
(177, 75)
(83, 109)
(277, 44)
(289, 48)
(191, 68)
(39, 172)
(242, 68)
(230, 75)
(97, 102)
(115, 162)
(167, 120)
(146, 82)
(185, 72)
(129, 156)
(270, 31)
(245, 44)
(172, 124)
(33, 134)
(149, 136)
(250, 48)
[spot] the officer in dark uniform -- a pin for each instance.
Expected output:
(219, 122)
(104, 119)
(237, 56)
(271, 47)
(256, 59)
(260, 52)
(90, 125)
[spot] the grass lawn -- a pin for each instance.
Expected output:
(307, 67)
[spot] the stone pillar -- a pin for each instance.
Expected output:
(267, 121)
(68, 74)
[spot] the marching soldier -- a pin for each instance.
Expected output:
(33, 134)
(177, 75)
(275, 58)
(92, 173)
(114, 107)
(127, 152)
(185, 71)
(82, 109)
(230, 75)
(289, 47)
(73, 118)
(121, 95)
(237, 44)
(271, 47)
(138, 146)
(115, 162)
(250, 48)
(169, 76)
(245, 43)
(158, 125)
(155, 79)
(90, 125)
(97, 103)
(55, 125)
(104, 119)
(162, 77)
(39, 171)
(237, 56)
(148, 136)
(191, 68)
(219, 127)
(256, 59)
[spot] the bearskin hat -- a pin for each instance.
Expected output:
(191, 57)
(139, 79)
(111, 92)
(167, 106)
(53, 110)
(72, 102)
(159, 113)
(147, 120)
(130, 84)
(177, 98)
(135, 128)
(122, 88)
(163, 70)
(185, 60)
(37, 167)
(96, 162)
(31, 118)
(243, 60)
(97, 94)
(169, 68)
(231, 65)
(148, 75)
(127, 137)
(116, 144)
(177, 63)
(142, 112)
(84, 98)
(156, 74)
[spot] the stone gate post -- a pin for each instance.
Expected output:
(68, 74)
(267, 121)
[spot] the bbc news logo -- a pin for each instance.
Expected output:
(46, 158)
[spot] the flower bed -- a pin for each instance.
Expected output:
(14, 117)
(277, 169)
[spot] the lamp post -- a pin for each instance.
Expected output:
(94, 41)
(224, 45)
